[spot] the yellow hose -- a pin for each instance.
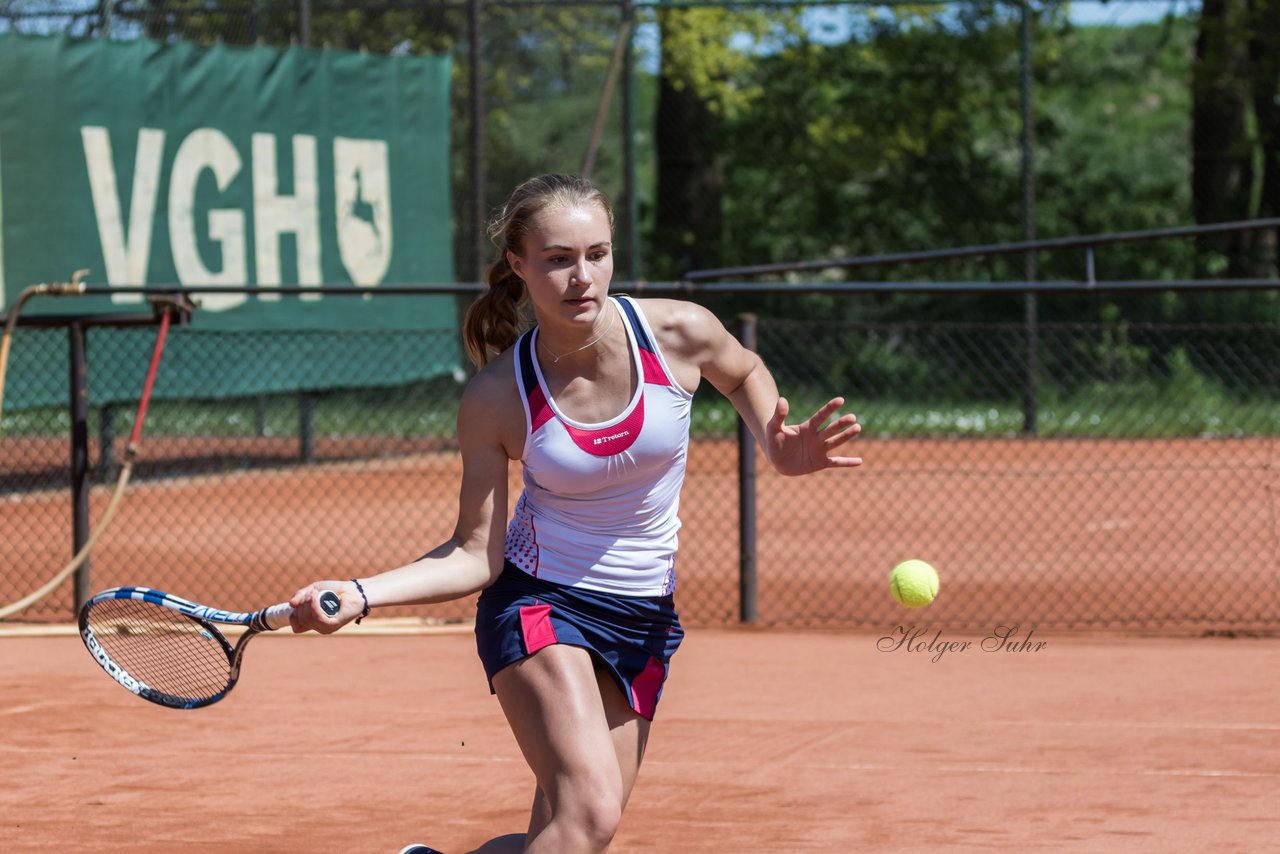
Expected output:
(98, 531)
(74, 287)
(71, 288)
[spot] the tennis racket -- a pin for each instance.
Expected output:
(167, 650)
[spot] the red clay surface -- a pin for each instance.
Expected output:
(1172, 534)
(766, 740)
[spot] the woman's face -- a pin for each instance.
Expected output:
(567, 262)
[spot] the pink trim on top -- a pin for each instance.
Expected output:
(607, 441)
(652, 365)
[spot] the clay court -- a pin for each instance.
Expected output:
(777, 740)
(1176, 535)
(1035, 244)
(897, 732)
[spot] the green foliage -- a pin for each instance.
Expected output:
(897, 129)
(1118, 360)
(1114, 132)
(875, 145)
(906, 136)
(712, 50)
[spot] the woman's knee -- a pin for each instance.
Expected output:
(592, 813)
(605, 815)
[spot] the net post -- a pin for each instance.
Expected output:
(747, 581)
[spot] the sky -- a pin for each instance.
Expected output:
(1123, 14)
(834, 23)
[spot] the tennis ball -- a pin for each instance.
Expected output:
(913, 583)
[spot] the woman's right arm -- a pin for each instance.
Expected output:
(469, 560)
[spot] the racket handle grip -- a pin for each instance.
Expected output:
(277, 616)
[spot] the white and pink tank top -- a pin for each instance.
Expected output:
(600, 506)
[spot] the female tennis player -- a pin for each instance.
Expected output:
(576, 624)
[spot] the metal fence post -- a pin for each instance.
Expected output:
(79, 456)
(106, 441)
(475, 34)
(306, 426)
(747, 581)
(1029, 307)
(304, 22)
(631, 200)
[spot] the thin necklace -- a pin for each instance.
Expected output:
(554, 358)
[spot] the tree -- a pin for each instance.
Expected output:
(1236, 132)
(706, 54)
(1264, 81)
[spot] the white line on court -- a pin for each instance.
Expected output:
(932, 769)
(382, 626)
(987, 723)
(1078, 772)
(1157, 725)
(871, 767)
(28, 707)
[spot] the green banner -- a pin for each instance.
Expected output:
(283, 170)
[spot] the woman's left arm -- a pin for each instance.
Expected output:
(700, 340)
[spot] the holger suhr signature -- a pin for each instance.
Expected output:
(920, 640)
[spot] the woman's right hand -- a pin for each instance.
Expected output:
(308, 616)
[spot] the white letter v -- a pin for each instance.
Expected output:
(125, 253)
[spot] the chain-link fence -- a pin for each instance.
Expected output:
(1146, 499)
(1076, 462)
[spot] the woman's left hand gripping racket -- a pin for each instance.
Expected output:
(168, 650)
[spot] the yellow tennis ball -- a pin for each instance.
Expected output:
(913, 583)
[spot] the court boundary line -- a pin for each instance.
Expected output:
(1006, 723)
(875, 767)
(381, 626)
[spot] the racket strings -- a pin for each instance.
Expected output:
(161, 648)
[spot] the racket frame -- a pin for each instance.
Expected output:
(255, 622)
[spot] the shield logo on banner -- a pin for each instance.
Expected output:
(362, 184)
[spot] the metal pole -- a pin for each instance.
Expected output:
(304, 22)
(747, 578)
(79, 457)
(475, 34)
(1028, 225)
(621, 44)
(632, 239)
(106, 441)
(306, 426)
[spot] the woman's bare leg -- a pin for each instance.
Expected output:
(565, 722)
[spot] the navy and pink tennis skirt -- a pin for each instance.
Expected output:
(630, 637)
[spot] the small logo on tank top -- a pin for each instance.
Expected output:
(611, 438)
